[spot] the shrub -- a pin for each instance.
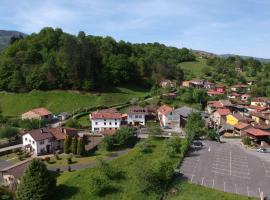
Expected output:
(98, 184)
(173, 146)
(8, 132)
(246, 140)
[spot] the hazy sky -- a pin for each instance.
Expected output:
(219, 26)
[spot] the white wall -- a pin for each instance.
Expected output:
(36, 145)
(98, 124)
(136, 118)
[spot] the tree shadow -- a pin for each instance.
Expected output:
(109, 190)
(65, 192)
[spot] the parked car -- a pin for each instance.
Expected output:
(261, 150)
(197, 144)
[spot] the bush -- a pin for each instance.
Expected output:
(173, 146)
(212, 135)
(69, 160)
(8, 132)
(246, 141)
(73, 123)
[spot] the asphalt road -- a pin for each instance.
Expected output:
(228, 168)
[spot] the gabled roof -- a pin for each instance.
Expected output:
(40, 111)
(137, 110)
(257, 132)
(165, 109)
(215, 104)
(17, 169)
(223, 112)
(258, 99)
(184, 111)
(40, 134)
(106, 114)
(241, 125)
(225, 102)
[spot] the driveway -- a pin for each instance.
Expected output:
(229, 168)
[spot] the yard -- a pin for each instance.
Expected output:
(75, 185)
(11, 157)
(13, 104)
(188, 191)
(195, 67)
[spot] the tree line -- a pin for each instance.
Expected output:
(53, 59)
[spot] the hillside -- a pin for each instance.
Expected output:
(13, 104)
(5, 37)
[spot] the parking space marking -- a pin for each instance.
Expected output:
(224, 186)
(247, 191)
(213, 185)
(202, 181)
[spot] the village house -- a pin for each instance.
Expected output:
(136, 116)
(240, 88)
(186, 84)
(168, 96)
(209, 85)
(46, 140)
(219, 116)
(217, 90)
(214, 105)
(181, 115)
(11, 175)
(240, 127)
(234, 95)
(62, 116)
(197, 83)
(234, 118)
(258, 136)
(259, 101)
(165, 115)
(38, 113)
(168, 84)
(107, 119)
(261, 117)
(253, 108)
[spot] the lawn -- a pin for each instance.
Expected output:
(13, 104)
(75, 185)
(195, 67)
(11, 157)
(188, 191)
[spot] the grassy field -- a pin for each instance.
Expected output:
(75, 185)
(195, 67)
(188, 191)
(59, 101)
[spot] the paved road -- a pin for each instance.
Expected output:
(227, 167)
(88, 165)
(11, 147)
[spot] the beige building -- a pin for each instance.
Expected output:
(37, 113)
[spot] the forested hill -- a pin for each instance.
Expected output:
(5, 37)
(53, 59)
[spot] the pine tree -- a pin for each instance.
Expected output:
(67, 144)
(36, 183)
(74, 145)
(80, 147)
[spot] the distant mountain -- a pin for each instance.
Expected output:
(208, 54)
(263, 60)
(6, 35)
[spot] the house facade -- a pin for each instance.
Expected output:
(136, 116)
(38, 113)
(108, 119)
(165, 115)
(219, 117)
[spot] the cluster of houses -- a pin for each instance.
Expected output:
(242, 120)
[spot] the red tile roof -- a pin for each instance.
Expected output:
(258, 99)
(241, 125)
(215, 104)
(41, 111)
(214, 92)
(257, 132)
(106, 114)
(223, 112)
(165, 109)
(258, 108)
(40, 134)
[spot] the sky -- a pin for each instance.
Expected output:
(220, 26)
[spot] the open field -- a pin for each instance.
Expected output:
(189, 191)
(74, 185)
(195, 67)
(59, 101)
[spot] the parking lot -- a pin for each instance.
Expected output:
(228, 168)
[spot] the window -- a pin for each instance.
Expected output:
(104, 123)
(41, 142)
(115, 123)
(110, 128)
(104, 120)
(136, 116)
(110, 123)
(25, 139)
(33, 142)
(96, 129)
(96, 123)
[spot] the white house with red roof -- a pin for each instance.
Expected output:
(259, 101)
(165, 115)
(136, 116)
(103, 120)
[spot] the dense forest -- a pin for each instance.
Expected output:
(53, 59)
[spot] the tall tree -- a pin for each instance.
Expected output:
(36, 183)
